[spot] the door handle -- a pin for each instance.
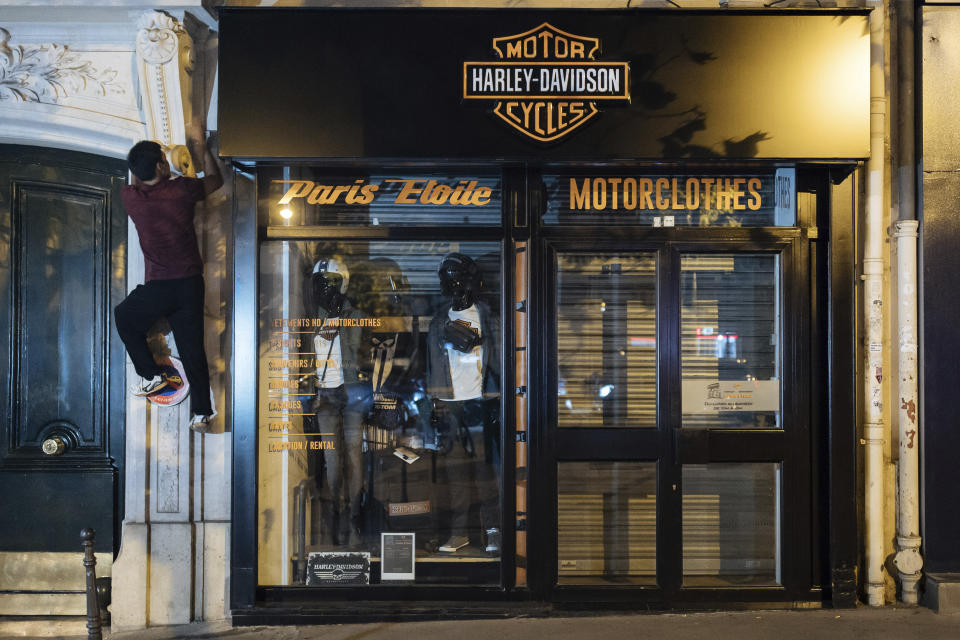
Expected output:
(59, 437)
(54, 446)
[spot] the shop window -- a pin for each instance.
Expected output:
(731, 530)
(305, 196)
(379, 412)
(749, 199)
(607, 342)
(607, 522)
(730, 340)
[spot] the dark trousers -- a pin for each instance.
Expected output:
(469, 471)
(344, 463)
(180, 301)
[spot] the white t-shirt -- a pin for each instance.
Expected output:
(466, 369)
(333, 376)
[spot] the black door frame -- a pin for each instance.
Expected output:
(821, 250)
(668, 445)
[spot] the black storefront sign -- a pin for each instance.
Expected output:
(399, 84)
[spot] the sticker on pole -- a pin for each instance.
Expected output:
(177, 387)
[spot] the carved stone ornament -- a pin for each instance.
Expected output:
(157, 37)
(48, 72)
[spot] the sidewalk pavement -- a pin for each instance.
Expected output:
(863, 623)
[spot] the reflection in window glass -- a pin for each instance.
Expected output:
(379, 410)
(606, 335)
(731, 524)
(607, 522)
(730, 319)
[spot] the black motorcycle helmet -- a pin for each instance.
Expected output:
(459, 279)
(329, 284)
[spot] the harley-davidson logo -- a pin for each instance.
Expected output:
(547, 82)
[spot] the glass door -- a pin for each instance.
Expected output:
(680, 452)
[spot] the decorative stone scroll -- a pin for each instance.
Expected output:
(49, 72)
(165, 62)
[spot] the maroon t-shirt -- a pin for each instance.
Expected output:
(163, 215)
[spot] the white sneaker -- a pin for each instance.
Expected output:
(201, 423)
(454, 543)
(150, 386)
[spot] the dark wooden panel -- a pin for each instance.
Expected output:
(62, 269)
(843, 467)
(61, 326)
(57, 510)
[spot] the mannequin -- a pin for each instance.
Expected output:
(463, 380)
(338, 405)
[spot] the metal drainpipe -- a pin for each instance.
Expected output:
(873, 428)
(908, 560)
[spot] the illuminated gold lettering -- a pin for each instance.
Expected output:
(646, 187)
(558, 51)
(409, 188)
(530, 47)
(576, 110)
(630, 194)
(352, 194)
(579, 198)
(738, 194)
(367, 193)
(527, 108)
(337, 192)
(662, 183)
(513, 50)
(320, 194)
(599, 194)
(299, 189)
(550, 128)
(545, 36)
(723, 193)
(440, 194)
(614, 186)
(510, 107)
(561, 115)
(753, 188)
(467, 196)
(537, 110)
(707, 186)
(576, 50)
(482, 196)
(455, 197)
(675, 190)
(425, 194)
(693, 194)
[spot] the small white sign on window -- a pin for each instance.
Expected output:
(398, 556)
(784, 197)
(714, 396)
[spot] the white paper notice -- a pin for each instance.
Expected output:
(713, 396)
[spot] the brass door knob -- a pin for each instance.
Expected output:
(54, 446)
